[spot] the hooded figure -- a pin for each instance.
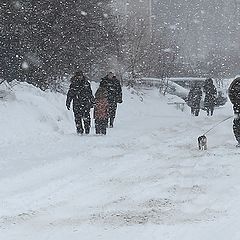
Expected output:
(101, 109)
(114, 91)
(210, 96)
(234, 96)
(81, 94)
(194, 98)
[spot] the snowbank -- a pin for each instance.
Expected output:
(32, 113)
(6, 94)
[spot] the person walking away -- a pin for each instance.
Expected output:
(101, 108)
(114, 90)
(194, 99)
(234, 96)
(81, 94)
(210, 96)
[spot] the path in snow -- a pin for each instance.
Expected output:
(146, 178)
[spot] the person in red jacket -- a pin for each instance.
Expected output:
(114, 91)
(101, 110)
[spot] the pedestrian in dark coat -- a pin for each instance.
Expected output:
(101, 109)
(234, 96)
(194, 98)
(114, 89)
(81, 94)
(210, 96)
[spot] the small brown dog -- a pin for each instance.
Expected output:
(202, 142)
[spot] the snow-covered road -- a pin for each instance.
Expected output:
(145, 180)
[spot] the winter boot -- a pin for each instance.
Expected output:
(79, 131)
(238, 140)
(87, 130)
(97, 129)
(104, 131)
(111, 122)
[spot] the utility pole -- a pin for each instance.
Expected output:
(150, 18)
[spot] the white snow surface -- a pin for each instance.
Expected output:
(146, 179)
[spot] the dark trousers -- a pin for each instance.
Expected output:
(195, 111)
(236, 128)
(210, 110)
(83, 121)
(112, 112)
(101, 126)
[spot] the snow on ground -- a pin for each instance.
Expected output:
(145, 179)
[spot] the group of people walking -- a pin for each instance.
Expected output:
(195, 96)
(107, 96)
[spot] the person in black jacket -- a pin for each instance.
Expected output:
(194, 99)
(210, 96)
(81, 94)
(114, 89)
(234, 96)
